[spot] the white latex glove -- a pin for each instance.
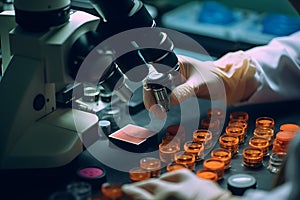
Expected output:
(180, 184)
(229, 78)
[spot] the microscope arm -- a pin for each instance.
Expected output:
(34, 132)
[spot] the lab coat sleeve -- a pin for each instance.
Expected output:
(282, 192)
(278, 70)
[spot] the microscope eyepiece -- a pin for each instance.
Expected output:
(37, 15)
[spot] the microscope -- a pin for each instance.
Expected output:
(48, 47)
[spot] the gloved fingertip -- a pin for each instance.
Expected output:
(174, 100)
(158, 111)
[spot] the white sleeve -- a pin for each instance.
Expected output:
(281, 192)
(278, 69)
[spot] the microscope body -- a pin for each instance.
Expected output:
(35, 133)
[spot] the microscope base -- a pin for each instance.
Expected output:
(45, 145)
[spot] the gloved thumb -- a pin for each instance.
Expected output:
(181, 93)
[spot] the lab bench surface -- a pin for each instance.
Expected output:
(40, 183)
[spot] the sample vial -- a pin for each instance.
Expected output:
(138, 174)
(203, 136)
(90, 94)
(112, 114)
(252, 157)
(167, 151)
(289, 127)
(230, 143)
(236, 131)
(175, 166)
(82, 190)
(112, 190)
(241, 123)
(170, 139)
(207, 175)
(178, 131)
(104, 128)
(215, 165)
(239, 115)
(264, 122)
(219, 113)
(195, 148)
(151, 164)
(260, 143)
(266, 133)
(282, 141)
(222, 154)
(276, 161)
(185, 158)
(212, 124)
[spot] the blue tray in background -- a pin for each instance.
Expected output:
(232, 24)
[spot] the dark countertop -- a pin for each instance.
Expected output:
(40, 183)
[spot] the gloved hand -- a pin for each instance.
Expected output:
(230, 78)
(179, 184)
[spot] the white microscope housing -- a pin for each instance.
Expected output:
(35, 132)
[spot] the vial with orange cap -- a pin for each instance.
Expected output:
(265, 122)
(203, 136)
(222, 154)
(230, 143)
(212, 124)
(241, 123)
(139, 174)
(167, 151)
(175, 166)
(236, 131)
(151, 164)
(282, 140)
(260, 143)
(185, 158)
(215, 165)
(252, 157)
(239, 115)
(267, 133)
(112, 191)
(219, 113)
(207, 175)
(289, 127)
(195, 148)
(178, 131)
